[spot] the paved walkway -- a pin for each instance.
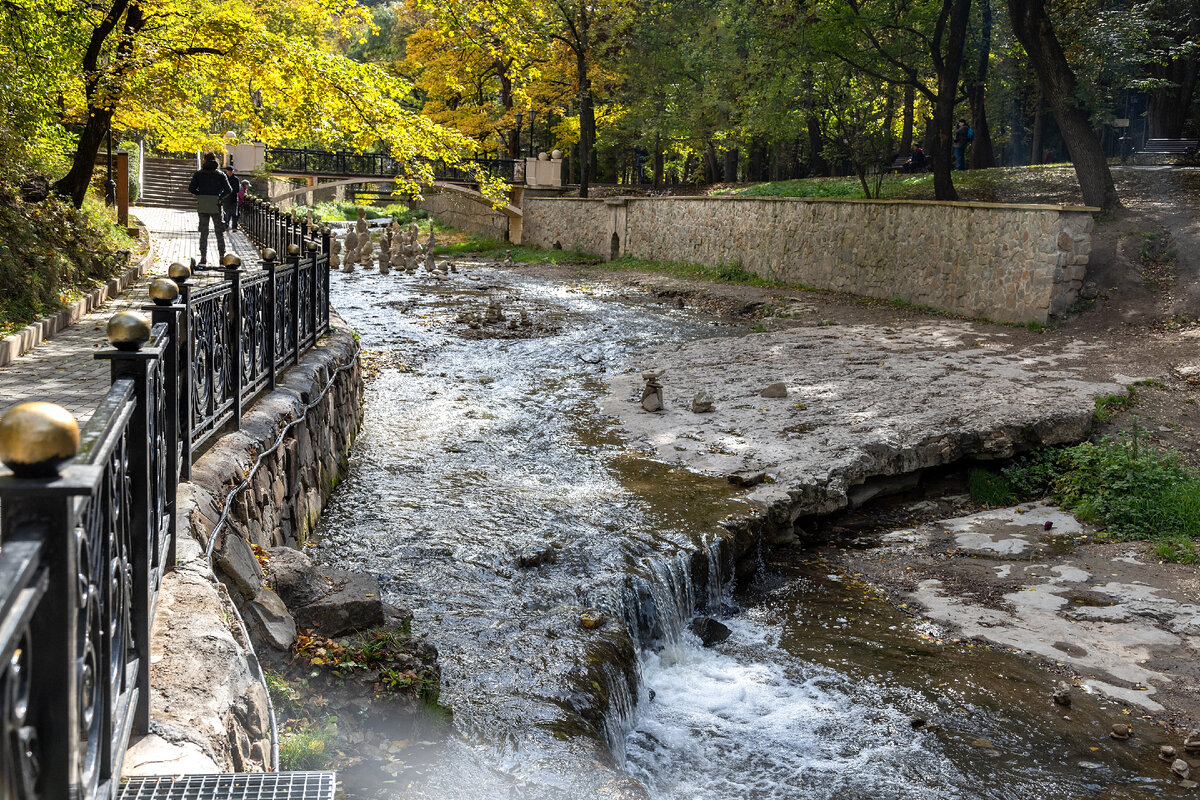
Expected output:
(63, 370)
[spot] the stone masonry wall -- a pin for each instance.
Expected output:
(464, 213)
(1010, 263)
(208, 707)
(567, 223)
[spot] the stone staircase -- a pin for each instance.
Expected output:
(166, 181)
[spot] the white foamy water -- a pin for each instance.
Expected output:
(723, 727)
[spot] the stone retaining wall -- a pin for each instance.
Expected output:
(463, 212)
(1012, 263)
(208, 707)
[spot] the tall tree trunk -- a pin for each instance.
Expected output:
(982, 154)
(101, 104)
(1167, 109)
(816, 162)
(658, 163)
(512, 138)
(1039, 130)
(711, 170)
(1033, 29)
(906, 132)
(731, 165)
(952, 24)
(587, 124)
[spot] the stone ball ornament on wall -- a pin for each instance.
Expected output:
(37, 438)
(128, 330)
(163, 291)
(556, 155)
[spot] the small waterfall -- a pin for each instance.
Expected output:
(657, 605)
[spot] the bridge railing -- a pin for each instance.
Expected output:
(87, 532)
(323, 162)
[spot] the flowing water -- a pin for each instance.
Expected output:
(480, 449)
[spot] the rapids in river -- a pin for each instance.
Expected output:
(483, 447)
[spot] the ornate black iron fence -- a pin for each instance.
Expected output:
(87, 518)
(82, 554)
(323, 162)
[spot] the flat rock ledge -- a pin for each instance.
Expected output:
(209, 710)
(866, 407)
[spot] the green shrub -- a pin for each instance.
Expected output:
(51, 253)
(1132, 490)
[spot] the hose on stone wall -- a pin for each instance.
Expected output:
(221, 520)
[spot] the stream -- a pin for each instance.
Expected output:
(482, 449)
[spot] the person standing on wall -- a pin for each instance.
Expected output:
(229, 204)
(210, 185)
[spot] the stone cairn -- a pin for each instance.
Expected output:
(652, 392)
(348, 259)
(365, 246)
(385, 251)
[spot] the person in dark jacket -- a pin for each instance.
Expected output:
(229, 203)
(210, 185)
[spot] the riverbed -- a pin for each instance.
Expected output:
(554, 565)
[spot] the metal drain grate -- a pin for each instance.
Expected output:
(232, 786)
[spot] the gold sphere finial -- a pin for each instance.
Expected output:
(128, 330)
(293, 249)
(231, 261)
(37, 438)
(269, 254)
(163, 291)
(179, 273)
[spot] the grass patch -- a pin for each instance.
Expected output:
(1042, 183)
(724, 273)
(990, 489)
(496, 249)
(306, 748)
(1127, 488)
(1111, 404)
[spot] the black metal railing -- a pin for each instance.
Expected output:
(82, 554)
(249, 326)
(323, 162)
(82, 557)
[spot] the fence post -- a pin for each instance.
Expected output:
(38, 513)
(187, 383)
(269, 265)
(294, 322)
(234, 276)
(167, 311)
(131, 356)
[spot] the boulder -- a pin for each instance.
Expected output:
(353, 604)
(702, 402)
(709, 630)
(237, 563)
(294, 577)
(777, 389)
(269, 618)
(536, 556)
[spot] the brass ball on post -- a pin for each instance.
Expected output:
(231, 261)
(128, 330)
(269, 254)
(179, 273)
(37, 438)
(163, 291)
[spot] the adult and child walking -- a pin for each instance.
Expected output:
(219, 196)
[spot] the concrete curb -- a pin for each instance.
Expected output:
(18, 344)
